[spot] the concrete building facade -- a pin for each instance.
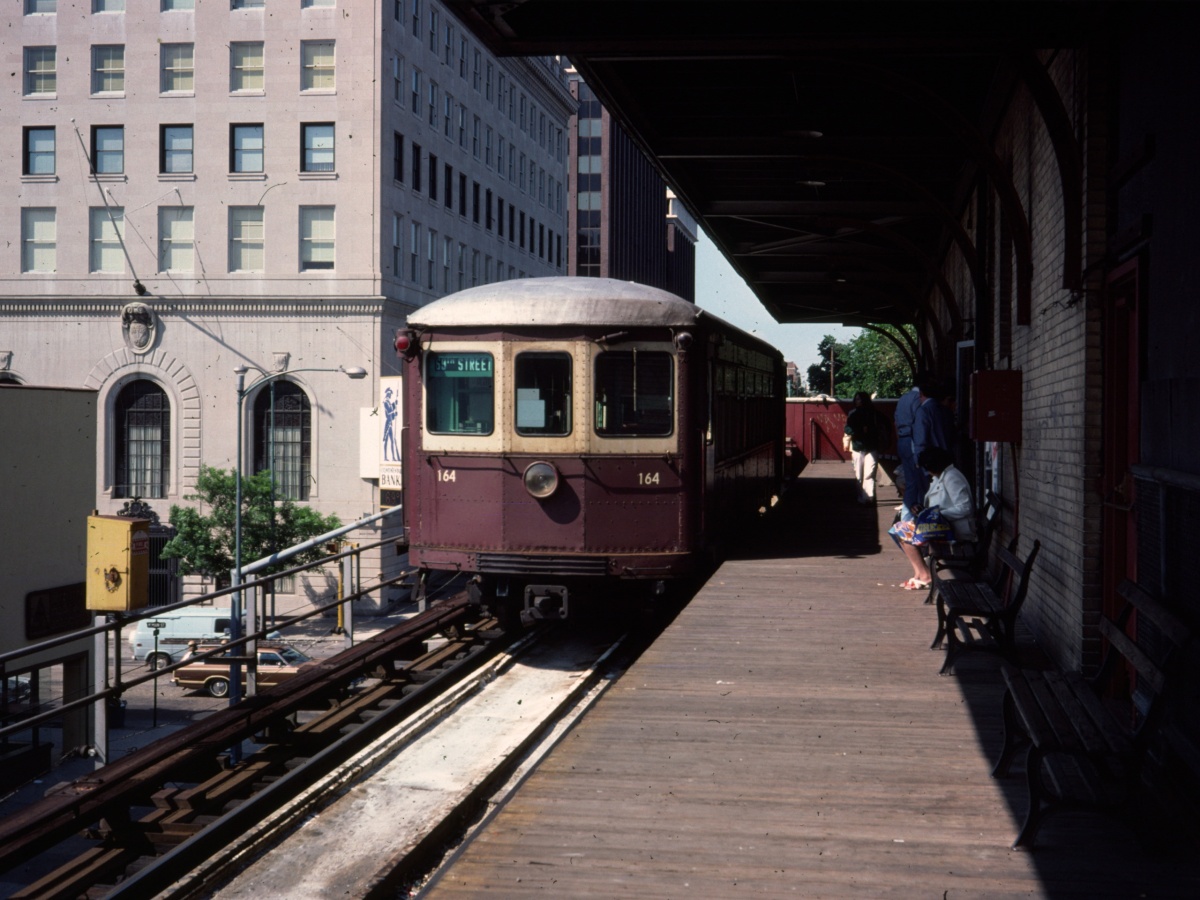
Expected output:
(624, 222)
(201, 187)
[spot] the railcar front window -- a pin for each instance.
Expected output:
(543, 394)
(633, 393)
(459, 391)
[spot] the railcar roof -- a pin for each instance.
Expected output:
(560, 301)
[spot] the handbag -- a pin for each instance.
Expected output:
(930, 525)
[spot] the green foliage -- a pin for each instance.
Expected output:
(867, 362)
(204, 543)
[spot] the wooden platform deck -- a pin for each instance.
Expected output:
(789, 736)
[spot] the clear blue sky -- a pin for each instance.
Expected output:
(721, 291)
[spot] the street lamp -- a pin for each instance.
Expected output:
(235, 627)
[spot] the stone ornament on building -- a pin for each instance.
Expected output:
(140, 326)
(5, 360)
(281, 360)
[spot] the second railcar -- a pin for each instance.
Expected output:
(564, 432)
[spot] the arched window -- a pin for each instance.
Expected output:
(283, 438)
(143, 422)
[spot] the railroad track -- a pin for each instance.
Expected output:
(151, 817)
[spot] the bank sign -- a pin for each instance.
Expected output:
(379, 441)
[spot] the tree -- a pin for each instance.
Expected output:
(874, 364)
(867, 362)
(830, 353)
(204, 543)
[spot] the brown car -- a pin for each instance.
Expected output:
(276, 663)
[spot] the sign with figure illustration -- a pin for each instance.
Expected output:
(391, 390)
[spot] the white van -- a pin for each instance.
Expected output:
(203, 624)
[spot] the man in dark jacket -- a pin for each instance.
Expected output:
(869, 432)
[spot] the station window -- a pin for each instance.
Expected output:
(459, 393)
(633, 395)
(543, 393)
(283, 438)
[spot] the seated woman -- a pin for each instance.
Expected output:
(950, 492)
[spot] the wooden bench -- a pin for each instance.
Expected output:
(1083, 754)
(982, 615)
(969, 557)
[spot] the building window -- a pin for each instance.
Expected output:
(246, 148)
(397, 157)
(316, 238)
(175, 239)
(475, 71)
(475, 125)
(397, 245)
(171, 5)
(433, 30)
(108, 6)
(397, 79)
(41, 7)
(462, 195)
(462, 266)
(106, 228)
(447, 114)
(433, 103)
(247, 4)
(448, 45)
(316, 66)
(311, 4)
(447, 252)
(108, 149)
(431, 243)
(41, 73)
(433, 177)
(283, 438)
(416, 167)
(143, 422)
(246, 71)
(108, 69)
(38, 239)
(415, 90)
(448, 186)
(317, 138)
(178, 68)
(246, 239)
(416, 18)
(38, 152)
(175, 148)
(487, 93)
(414, 250)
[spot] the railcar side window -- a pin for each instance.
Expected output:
(633, 393)
(543, 393)
(459, 391)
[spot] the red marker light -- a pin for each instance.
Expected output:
(403, 342)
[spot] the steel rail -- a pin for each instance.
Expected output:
(132, 780)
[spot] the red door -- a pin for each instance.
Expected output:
(1122, 377)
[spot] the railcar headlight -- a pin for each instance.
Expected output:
(541, 480)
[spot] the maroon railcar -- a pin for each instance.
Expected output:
(564, 433)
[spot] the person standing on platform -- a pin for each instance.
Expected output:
(906, 411)
(868, 431)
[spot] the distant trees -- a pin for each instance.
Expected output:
(868, 362)
(204, 541)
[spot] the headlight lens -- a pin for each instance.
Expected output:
(541, 480)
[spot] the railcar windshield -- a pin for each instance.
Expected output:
(634, 393)
(543, 395)
(459, 393)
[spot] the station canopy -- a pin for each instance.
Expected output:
(829, 148)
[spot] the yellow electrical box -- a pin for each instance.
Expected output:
(118, 567)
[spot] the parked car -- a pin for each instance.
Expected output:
(276, 663)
